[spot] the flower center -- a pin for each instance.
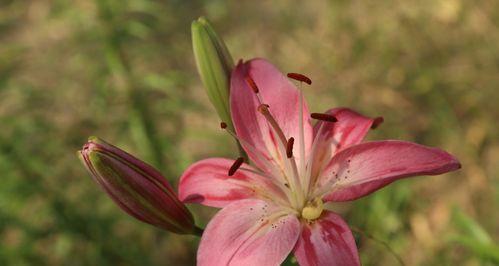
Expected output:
(292, 175)
(313, 209)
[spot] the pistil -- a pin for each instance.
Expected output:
(313, 209)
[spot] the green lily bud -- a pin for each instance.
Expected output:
(214, 65)
(136, 187)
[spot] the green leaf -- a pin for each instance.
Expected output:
(474, 237)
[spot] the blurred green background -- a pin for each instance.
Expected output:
(124, 70)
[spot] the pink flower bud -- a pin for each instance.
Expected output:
(137, 188)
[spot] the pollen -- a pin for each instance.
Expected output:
(263, 108)
(324, 117)
(223, 125)
(377, 121)
(289, 147)
(313, 209)
(237, 163)
(300, 77)
(252, 84)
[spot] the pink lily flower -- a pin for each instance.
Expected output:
(276, 206)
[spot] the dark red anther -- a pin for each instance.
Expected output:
(289, 147)
(324, 117)
(252, 84)
(237, 163)
(300, 77)
(377, 121)
(223, 125)
(263, 108)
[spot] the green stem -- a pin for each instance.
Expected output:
(386, 245)
(198, 231)
(242, 153)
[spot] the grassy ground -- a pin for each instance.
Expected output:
(124, 71)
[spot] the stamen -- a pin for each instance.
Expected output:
(283, 186)
(264, 109)
(377, 121)
(311, 160)
(260, 156)
(302, 136)
(223, 125)
(289, 147)
(300, 77)
(236, 166)
(252, 84)
(283, 142)
(324, 117)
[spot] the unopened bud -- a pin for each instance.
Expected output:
(214, 64)
(136, 187)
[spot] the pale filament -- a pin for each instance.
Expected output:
(322, 165)
(302, 136)
(275, 172)
(287, 168)
(310, 162)
(334, 185)
(261, 191)
(260, 155)
(274, 181)
(296, 184)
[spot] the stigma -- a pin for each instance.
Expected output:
(313, 209)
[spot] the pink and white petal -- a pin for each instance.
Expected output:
(282, 97)
(350, 129)
(361, 169)
(207, 182)
(327, 241)
(248, 232)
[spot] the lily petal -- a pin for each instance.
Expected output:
(248, 232)
(361, 169)
(207, 182)
(327, 241)
(350, 129)
(283, 100)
